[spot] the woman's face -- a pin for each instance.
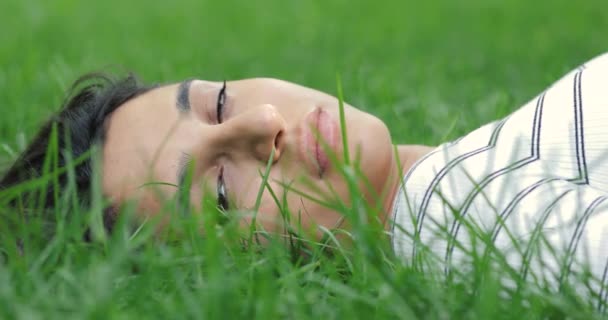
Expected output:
(223, 137)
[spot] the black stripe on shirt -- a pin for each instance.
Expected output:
(536, 233)
(516, 200)
(576, 237)
(404, 192)
(443, 172)
(579, 134)
(534, 156)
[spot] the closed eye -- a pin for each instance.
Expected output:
(222, 198)
(221, 101)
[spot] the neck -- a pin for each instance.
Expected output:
(403, 160)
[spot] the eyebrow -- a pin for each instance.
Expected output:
(183, 96)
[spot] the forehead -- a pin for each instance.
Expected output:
(137, 141)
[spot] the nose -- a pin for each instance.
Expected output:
(255, 131)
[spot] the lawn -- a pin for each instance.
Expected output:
(431, 70)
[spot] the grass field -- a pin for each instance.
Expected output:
(433, 70)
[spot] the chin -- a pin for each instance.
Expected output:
(376, 153)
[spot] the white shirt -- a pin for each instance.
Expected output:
(540, 173)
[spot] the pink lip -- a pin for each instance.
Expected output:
(320, 132)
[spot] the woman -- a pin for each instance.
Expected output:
(537, 174)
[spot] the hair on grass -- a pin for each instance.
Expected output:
(78, 126)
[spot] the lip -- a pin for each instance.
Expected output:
(319, 133)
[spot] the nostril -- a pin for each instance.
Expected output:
(278, 139)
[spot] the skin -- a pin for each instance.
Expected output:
(150, 137)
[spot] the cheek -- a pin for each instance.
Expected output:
(303, 216)
(286, 205)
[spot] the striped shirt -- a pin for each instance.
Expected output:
(534, 184)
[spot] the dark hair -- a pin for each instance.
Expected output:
(80, 125)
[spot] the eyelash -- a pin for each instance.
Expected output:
(221, 101)
(222, 199)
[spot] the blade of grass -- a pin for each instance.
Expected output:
(342, 121)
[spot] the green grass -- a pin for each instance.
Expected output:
(433, 70)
